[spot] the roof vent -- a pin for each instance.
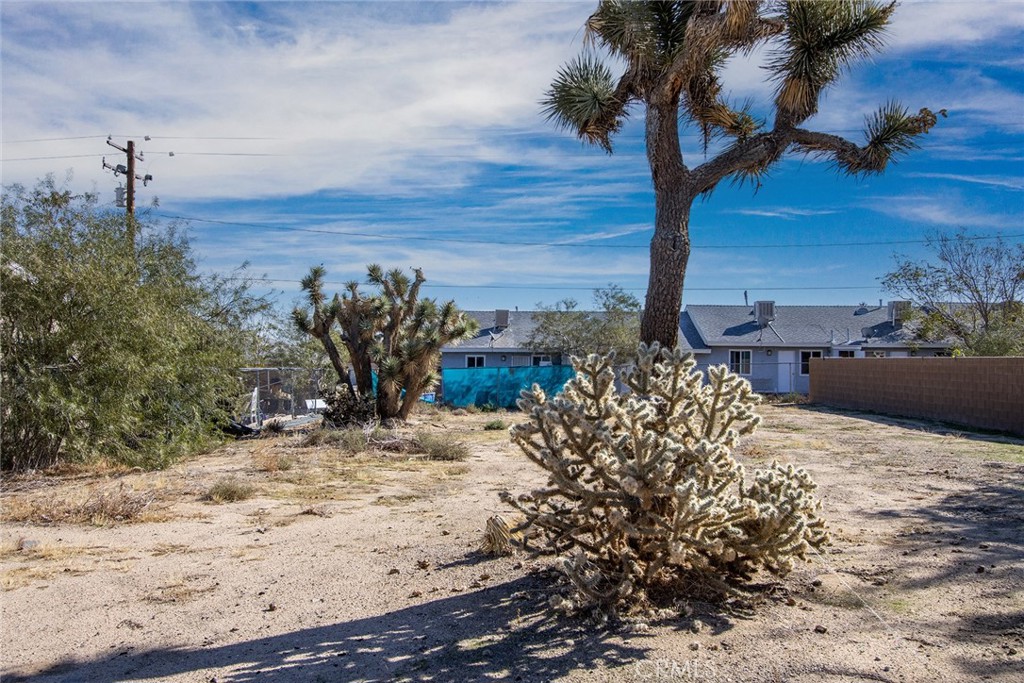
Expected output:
(501, 318)
(765, 312)
(867, 332)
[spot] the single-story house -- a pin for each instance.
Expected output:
(771, 345)
(501, 342)
(496, 364)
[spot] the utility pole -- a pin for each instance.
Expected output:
(128, 171)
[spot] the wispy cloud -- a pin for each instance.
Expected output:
(1008, 182)
(941, 210)
(788, 213)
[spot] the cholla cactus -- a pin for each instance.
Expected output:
(643, 487)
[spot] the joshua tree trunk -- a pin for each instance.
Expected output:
(670, 246)
(337, 362)
(670, 252)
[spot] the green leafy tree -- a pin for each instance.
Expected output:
(565, 329)
(672, 54)
(110, 351)
(972, 293)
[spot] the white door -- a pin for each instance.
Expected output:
(787, 369)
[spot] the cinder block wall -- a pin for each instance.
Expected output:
(976, 392)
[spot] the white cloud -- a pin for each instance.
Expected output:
(946, 210)
(947, 24)
(350, 101)
(788, 213)
(1007, 182)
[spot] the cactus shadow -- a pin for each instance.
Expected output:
(501, 633)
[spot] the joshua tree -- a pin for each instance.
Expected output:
(672, 54)
(319, 320)
(412, 332)
(394, 329)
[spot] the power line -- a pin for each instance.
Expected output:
(65, 156)
(74, 137)
(574, 245)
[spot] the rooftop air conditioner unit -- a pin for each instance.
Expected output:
(501, 318)
(765, 312)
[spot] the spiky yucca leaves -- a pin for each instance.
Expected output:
(394, 329)
(411, 334)
(668, 57)
(643, 489)
(319, 319)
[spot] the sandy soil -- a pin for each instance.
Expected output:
(356, 568)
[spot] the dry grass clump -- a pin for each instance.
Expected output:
(272, 462)
(443, 446)
(112, 505)
(351, 439)
(495, 425)
(230, 490)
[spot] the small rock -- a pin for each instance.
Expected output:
(816, 583)
(979, 570)
(517, 565)
(415, 594)
(422, 564)
(820, 629)
(271, 608)
(983, 546)
(445, 532)
(694, 646)
(27, 544)
(393, 570)
(791, 601)
(1011, 651)
(484, 577)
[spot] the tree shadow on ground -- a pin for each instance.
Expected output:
(979, 528)
(914, 423)
(505, 633)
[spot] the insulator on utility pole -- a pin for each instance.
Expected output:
(119, 196)
(126, 197)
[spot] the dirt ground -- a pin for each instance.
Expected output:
(365, 568)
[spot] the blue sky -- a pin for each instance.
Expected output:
(410, 134)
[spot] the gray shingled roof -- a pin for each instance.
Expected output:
(796, 326)
(521, 325)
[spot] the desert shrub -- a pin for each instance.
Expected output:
(110, 349)
(272, 428)
(441, 446)
(644, 492)
(273, 462)
(230, 490)
(495, 425)
(489, 408)
(102, 506)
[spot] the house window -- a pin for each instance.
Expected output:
(541, 361)
(519, 360)
(847, 354)
(739, 362)
(805, 361)
(474, 361)
(874, 354)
